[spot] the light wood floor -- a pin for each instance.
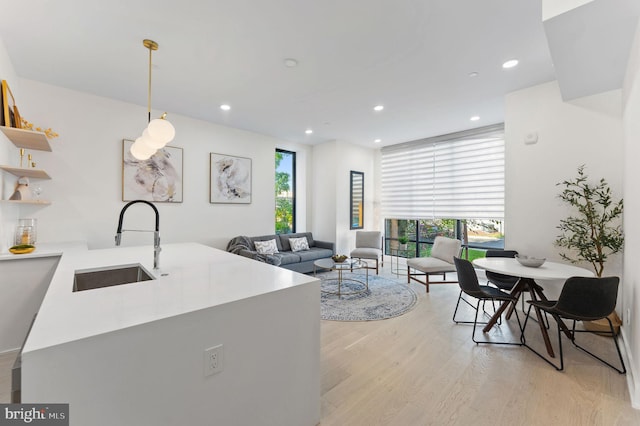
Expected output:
(422, 369)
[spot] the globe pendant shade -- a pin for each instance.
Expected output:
(151, 142)
(161, 130)
(141, 150)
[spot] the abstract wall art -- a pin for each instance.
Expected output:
(158, 179)
(230, 179)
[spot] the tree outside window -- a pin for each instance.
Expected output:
(285, 191)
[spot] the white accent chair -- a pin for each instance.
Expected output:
(369, 246)
(439, 262)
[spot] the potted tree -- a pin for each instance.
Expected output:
(594, 231)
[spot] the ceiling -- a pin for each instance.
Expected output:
(412, 56)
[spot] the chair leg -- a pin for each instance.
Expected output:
(475, 323)
(548, 361)
(460, 298)
(623, 370)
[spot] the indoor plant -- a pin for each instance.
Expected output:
(402, 242)
(594, 231)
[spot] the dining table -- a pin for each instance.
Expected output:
(528, 282)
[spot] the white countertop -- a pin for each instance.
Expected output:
(46, 250)
(198, 277)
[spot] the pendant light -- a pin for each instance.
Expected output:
(159, 131)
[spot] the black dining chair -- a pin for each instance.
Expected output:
(503, 282)
(468, 282)
(582, 299)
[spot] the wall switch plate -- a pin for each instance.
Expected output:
(213, 360)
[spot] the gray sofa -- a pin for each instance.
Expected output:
(299, 261)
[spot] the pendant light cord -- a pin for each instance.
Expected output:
(149, 97)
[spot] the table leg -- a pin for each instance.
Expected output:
(520, 285)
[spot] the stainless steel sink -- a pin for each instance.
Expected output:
(89, 279)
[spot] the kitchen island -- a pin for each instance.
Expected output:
(134, 354)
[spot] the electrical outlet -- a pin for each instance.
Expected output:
(213, 360)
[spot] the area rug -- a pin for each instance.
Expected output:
(384, 299)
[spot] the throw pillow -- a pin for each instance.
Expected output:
(266, 247)
(299, 244)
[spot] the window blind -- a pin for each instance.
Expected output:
(455, 176)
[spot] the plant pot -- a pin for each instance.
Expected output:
(402, 246)
(603, 326)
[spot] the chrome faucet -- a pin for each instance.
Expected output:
(156, 233)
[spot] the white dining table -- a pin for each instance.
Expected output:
(528, 282)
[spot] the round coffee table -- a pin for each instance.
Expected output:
(347, 265)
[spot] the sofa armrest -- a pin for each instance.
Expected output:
(326, 245)
(248, 253)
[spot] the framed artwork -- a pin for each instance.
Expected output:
(10, 115)
(230, 179)
(158, 179)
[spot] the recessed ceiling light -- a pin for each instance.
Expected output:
(510, 63)
(473, 74)
(308, 131)
(378, 140)
(475, 118)
(378, 107)
(290, 63)
(225, 107)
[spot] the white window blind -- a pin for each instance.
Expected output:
(456, 176)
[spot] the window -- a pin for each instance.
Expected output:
(482, 235)
(458, 176)
(285, 191)
(445, 186)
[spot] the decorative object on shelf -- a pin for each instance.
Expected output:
(159, 131)
(339, 258)
(48, 132)
(157, 179)
(230, 179)
(10, 115)
(37, 190)
(594, 232)
(21, 156)
(22, 249)
(531, 262)
(22, 191)
(32, 225)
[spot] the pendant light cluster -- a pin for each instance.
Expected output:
(160, 131)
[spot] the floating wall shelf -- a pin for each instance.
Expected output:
(30, 173)
(27, 139)
(37, 202)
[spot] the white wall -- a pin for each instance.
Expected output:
(631, 295)
(333, 162)
(86, 171)
(569, 135)
(8, 214)
(551, 8)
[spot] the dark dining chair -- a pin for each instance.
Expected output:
(468, 282)
(582, 299)
(503, 282)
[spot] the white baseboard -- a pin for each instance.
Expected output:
(632, 373)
